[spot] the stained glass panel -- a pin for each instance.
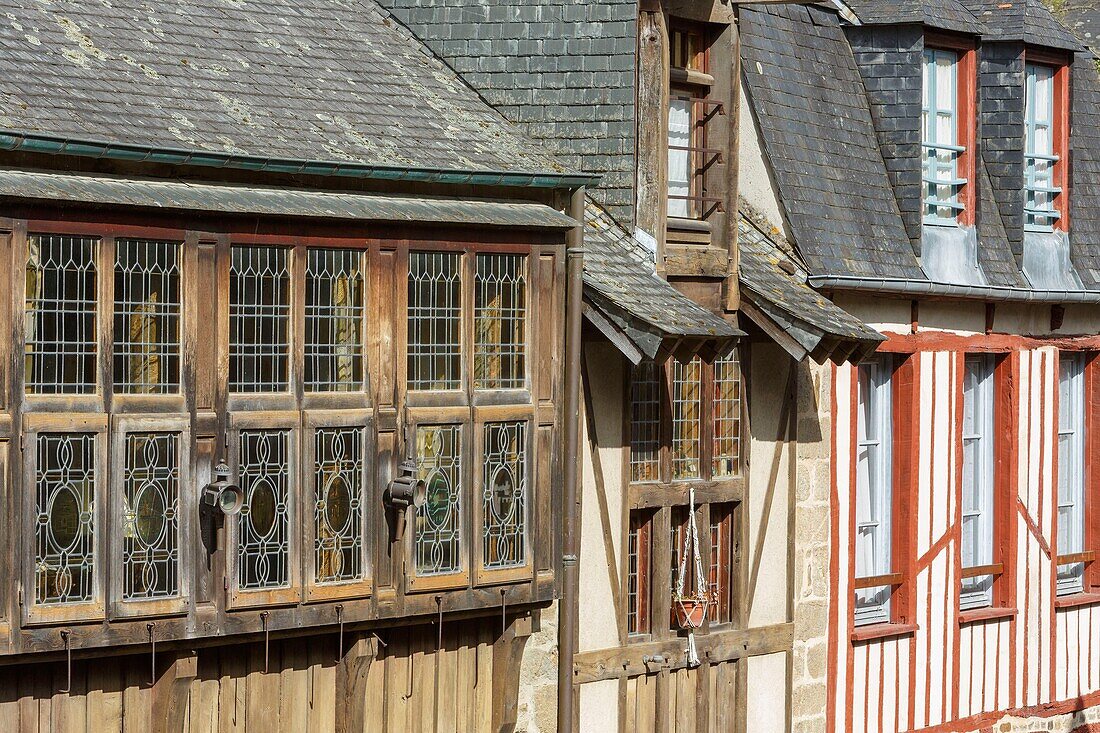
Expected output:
(434, 320)
(150, 530)
(259, 320)
(500, 317)
(263, 537)
(65, 523)
(686, 422)
(645, 422)
(147, 316)
(504, 495)
(727, 416)
(334, 320)
(439, 521)
(60, 315)
(338, 504)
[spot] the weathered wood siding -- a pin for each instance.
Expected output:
(302, 691)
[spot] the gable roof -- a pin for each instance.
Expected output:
(642, 313)
(816, 128)
(948, 15)
(302, 80)
(774, 294)
(1029, 21)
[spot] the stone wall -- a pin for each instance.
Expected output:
(563, 70)
(538, 682)
(811, 555)
(1082, 721)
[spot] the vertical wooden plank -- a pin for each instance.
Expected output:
(652, 111)
(447, 666)
(105, 697)
(549, 358)
(29, 686)
(232, 689)
(375, 693)
(322, 703)
(294, 685)
(468, 664)
(262, 712)
(424, 680)
(204, 695)
(544, 498)
(137, 711)
(483, 691)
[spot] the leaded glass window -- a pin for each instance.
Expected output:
(439, 520)
(259, 320)
(727, 416)
(60, 315)
(150, 529)
(504, 499)
(263, 537)
(147, 316)
(334, 320)
(686, 418)
(338, 506)
(645, 422)
(65, 525)
(500, 316)
(434, 321)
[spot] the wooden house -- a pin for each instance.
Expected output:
(283, 374)
(935, 164)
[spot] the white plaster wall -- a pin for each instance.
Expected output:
(599, 711)
(769, 485)
(755, 184)
(598, 618)
(767, 701)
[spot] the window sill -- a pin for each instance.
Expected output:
(976, 615)
(873, 632)
(1077, 599)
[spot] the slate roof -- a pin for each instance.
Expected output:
(1083, 18)
(619, 278)
(1029, 21)
(319, 80)
(815, 123)
(275, 201)
(774, 281)
(948, 15)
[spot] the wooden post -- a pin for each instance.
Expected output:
(733, 290)
(653, 70)
(351, 685)
(507, 657)
(171, 690)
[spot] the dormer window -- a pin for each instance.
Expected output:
(690, 111)
(946, 131)
(1045, 144)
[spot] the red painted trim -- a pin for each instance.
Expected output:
(853, 437)
(984, 721)
(834, 566)
(1032, 528)
(1092, 468)
(955, 533)
(1009, 384)
(979, 615)
(1077, 600)
(878, 632)
(1050, 372)
(911, 343)
(906, 458)
(925, 560)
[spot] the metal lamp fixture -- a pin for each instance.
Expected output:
(406, 489)
(221, 493)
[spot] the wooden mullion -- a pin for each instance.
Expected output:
(661, 573)
(105, 320)
(297, 375)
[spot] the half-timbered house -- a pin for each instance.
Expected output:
(282, 377)
(698, 324)
(935, 165)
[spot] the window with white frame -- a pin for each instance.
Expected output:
(874, 490)
(1040, 156)
(978, 481)
(940, 139)
(1071, 471)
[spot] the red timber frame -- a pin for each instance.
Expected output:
(1006, 449)
(1061, 113)
(1091, 592)
(966, 117)
(905, 456)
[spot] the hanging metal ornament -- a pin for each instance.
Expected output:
(691, 610)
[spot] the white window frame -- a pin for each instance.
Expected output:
(874, 500)
(1071, 470)
(1040, 160)
(940, 153)
(978, 437)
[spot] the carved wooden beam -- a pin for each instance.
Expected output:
(171, 690)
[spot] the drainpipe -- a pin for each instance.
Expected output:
(567, 609)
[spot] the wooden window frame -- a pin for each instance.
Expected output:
(966, 132)
(1060, 133)
(312, 421)
(690, 80)
(471, 407)
(904, 459)
(1005, 436)
(188, 500)
(640, 523)
(1090, 423)
(721, 574)
(95, 609)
